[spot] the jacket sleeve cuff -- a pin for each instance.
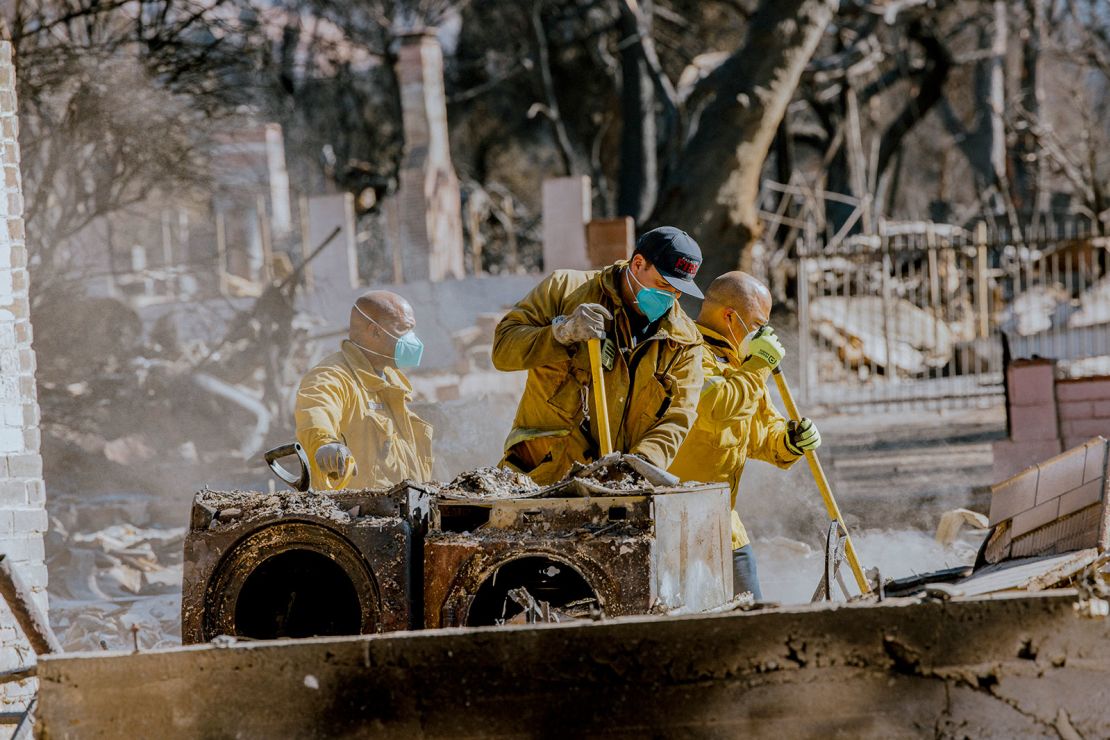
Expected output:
(787, 455)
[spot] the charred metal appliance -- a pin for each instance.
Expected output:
(299, 564)
(577, 550)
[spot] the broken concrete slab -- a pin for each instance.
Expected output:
(1003, 667)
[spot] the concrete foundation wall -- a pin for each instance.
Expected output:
(22, 495)
(1030, 666)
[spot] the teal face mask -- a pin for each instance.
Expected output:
(652, 301)
(406, 353)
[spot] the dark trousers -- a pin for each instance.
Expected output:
(745, 577)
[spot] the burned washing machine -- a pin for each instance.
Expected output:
(301, 564)
(605, 542)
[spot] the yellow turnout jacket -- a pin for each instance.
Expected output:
(736, 421)
(652, 390)
(344, 399)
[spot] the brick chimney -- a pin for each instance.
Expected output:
(425, 219)
(22, 496)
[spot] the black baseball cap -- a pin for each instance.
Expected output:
(675, 254)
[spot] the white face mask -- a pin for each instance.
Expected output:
(741, 346)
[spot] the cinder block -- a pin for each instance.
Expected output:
(32, 440)
(13, 493)
(1095, 463)
(1061, 474)
(23, 549)
(35, 575)
(1083, 389)
(1010, 457)
(1069, 410)
(1031, 382)
(25, 466)
(31, 520)
(1082, 497)
(1038, 516)
(1086, 428)
(1101, 409)
(1029, 423)
(36, 492)
(1013, 496)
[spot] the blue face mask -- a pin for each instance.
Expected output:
(406, 353)
(652, 301)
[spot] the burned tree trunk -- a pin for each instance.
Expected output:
(639, 178)
(713, 191)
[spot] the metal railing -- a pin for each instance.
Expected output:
(918, 314)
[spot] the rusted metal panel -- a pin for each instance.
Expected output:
(692, 550)
(652, 550)
(249, 553)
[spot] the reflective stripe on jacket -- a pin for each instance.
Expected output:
(343, 399)
(736, 421)
(652, 390)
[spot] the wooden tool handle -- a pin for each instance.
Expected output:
(823, 486)
(601, 408)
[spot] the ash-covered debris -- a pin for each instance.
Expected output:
(489, 482)
(231, 507)
(615, 473)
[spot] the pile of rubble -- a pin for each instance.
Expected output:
(116, 587)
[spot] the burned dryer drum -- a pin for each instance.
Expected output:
(491, 561)
(291, 564)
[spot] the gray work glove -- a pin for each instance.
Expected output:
(802, 436)
(333, 460)
(585, 322)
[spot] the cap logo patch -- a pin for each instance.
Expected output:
(686, 266)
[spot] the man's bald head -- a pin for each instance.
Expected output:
(378, 318)
(735, 295)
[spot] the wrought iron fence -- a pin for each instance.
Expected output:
(921, 314)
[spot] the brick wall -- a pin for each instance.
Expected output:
(1083, 406)
(1031, 410)
(1058, 505)
(22, 495)
(1047, 415)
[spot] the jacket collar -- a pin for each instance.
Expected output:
(675, 324)
(719, 344)
(368, 375)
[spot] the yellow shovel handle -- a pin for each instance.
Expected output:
(601, 408)
(823, 486)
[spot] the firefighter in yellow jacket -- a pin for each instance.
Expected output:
(736, 418)
(352, 408)
(651, 359)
